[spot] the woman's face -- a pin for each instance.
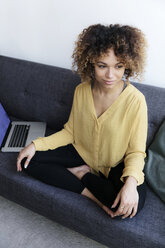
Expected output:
(108, 70)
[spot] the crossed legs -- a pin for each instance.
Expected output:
(64, 168)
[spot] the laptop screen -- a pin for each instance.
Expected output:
(4, 123)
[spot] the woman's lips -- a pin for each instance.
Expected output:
(109, 82)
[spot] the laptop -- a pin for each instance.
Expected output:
(17, 134)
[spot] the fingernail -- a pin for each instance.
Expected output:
(25, 166)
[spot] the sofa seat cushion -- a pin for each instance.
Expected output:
(81, 214)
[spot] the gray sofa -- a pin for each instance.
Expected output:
(33, 91)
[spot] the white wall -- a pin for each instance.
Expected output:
(45, 30)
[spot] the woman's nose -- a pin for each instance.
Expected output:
(109, 73)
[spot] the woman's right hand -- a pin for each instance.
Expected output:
(28, 152)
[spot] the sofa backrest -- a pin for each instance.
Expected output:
(155, 98)
(33, 91)
(36, 92)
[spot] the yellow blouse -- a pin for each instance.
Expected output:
(118, 134)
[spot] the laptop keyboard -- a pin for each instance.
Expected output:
(19, 136)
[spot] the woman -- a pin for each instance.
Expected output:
(101, 149)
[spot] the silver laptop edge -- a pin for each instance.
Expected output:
(37, 129)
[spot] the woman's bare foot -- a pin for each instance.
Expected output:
(79, 171)
(88, 194)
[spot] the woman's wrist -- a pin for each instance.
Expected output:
(33, 145)
(131, 180)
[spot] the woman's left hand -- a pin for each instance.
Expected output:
(128, 198)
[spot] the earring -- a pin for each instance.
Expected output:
(127, 81)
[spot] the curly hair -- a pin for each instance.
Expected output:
(129, 45)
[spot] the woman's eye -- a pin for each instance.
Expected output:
(101, 66)
(119, 66)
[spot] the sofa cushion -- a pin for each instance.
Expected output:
(155, 98)
(39, 92)
(155, 163)
(80, 213)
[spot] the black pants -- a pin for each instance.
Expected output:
(51, 167)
